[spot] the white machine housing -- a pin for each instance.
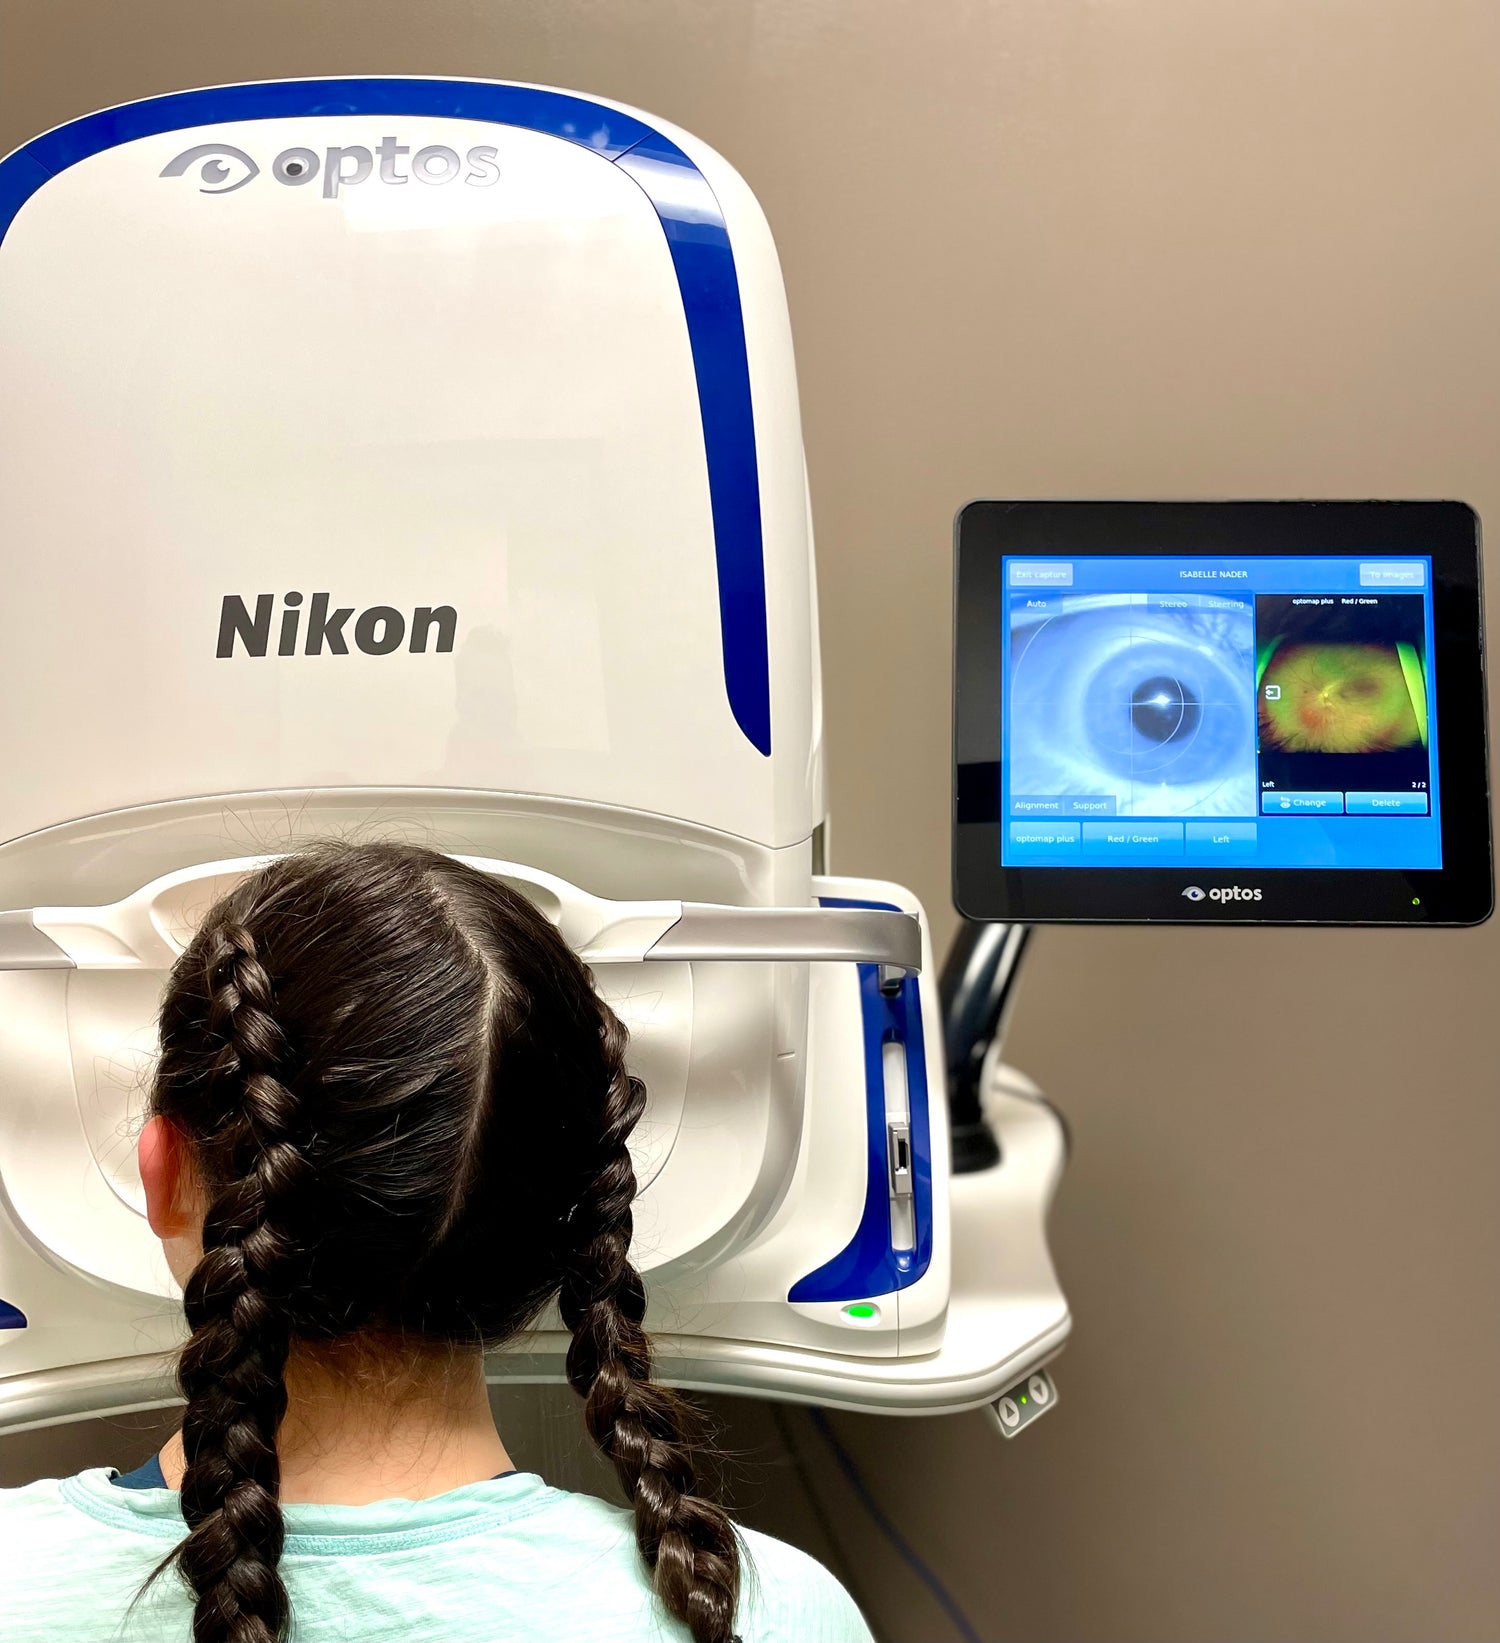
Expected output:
(422, 458)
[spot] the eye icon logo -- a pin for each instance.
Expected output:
(1193, 893)
(222, 169)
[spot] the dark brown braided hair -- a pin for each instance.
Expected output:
(408, 1110)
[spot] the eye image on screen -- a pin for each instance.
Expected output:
(1140, 702)
(1342, 692)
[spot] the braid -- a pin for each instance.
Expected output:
(687, 1540)
(413, 998)
(232, 1368)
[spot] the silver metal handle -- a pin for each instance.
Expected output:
(137, 934)
(24, 947)
(798, 935)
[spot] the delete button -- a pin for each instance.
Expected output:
(1385, 804)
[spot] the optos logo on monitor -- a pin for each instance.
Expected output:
(1231, 892)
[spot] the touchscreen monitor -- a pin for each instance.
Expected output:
(1254, 711)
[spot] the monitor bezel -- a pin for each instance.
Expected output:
(1461, 892)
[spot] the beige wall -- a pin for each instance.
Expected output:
(1075, 248)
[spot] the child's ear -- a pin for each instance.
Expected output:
(162, 1155)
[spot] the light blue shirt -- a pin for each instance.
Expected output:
(505, 1561)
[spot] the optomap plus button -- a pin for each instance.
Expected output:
(1044, 835)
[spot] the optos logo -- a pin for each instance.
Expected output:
(222, 169)
(1232, 892)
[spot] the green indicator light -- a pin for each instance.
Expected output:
(861, 1309)
(1416, 901)
(1023, 1397)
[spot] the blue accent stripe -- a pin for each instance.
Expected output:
(11, 1317)
(697, 238)
(710, 289)
(867, 1265)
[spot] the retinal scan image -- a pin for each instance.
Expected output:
(1342, 692)
(1143, 701)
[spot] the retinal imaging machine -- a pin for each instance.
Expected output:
(421, 458)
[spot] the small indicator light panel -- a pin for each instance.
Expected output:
(862, 1312)
(1013, 1411)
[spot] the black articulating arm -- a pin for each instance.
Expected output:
(977, 989)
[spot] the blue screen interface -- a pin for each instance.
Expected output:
(1203, 712)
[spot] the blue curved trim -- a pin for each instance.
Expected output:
(11, 1317)
(867, 1265)
(696, 236)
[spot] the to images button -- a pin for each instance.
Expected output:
(1140, 840)
(1385, 804)
(1393, 573)
(1302, 804)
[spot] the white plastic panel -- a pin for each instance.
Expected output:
(67, 1153)
(403, 397)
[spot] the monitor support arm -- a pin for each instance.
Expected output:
(978, 988)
